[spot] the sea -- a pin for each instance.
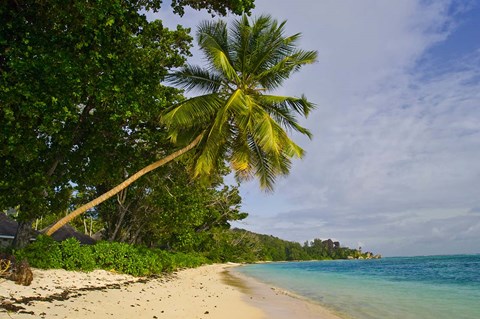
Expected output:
(436, 287)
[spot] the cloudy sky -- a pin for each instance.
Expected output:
(394, 165)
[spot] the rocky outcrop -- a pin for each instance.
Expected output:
(367, 255)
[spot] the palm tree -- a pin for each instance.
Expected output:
(235, 119)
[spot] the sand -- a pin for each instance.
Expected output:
(213, 291)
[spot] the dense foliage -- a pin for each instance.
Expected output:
(46, 253)
(239, 245)
(167, 209)
(138, 260)
(81, 93)
(219, 6)
(229, 246)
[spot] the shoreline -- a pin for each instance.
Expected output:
(211, 291)
(275, 302)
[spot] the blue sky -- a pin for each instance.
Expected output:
(394, 165)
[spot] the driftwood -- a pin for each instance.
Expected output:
(5, 265)
(19, 272)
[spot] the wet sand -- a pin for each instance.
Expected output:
(274, 302)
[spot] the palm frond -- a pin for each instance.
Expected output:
(273, 139)
(241, 158)
(264, 43)
(291, 150)
(216, 30)
(267, 165)
(240, 122)
(287, 120)
(274, 75)
(213, 41)
(218, 134)
(300, 105)
(261, 163)
(267, 133)
(240, 35)
(193, 77)
(212, 149)
(192, 112)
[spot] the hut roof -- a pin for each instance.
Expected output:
(68, 231)
(8, 227)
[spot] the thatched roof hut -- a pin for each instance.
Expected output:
(68, 231)
(8, 229)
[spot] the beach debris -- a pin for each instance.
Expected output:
(22, 275)
(19, 272)
(14, 304)
(4, 266)
(10, 306)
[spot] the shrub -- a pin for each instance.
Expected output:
(112, 256)
(75, 256)
(182, 260)
(124, 258)
(44, 253)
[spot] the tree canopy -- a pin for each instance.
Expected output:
(81, 93)
(218, 6)
(236, 120)
(80, 83)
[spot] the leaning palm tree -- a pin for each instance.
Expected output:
(235, 119)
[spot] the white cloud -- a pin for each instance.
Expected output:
(395, 159)
(393, 137)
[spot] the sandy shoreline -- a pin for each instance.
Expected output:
(213, 291)
(277, 303)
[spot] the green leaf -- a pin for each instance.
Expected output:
(110, 22)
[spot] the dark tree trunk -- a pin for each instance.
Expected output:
(23, 235)
(121, 198)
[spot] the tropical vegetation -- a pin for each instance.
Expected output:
(236, 119)
(94, 94)
(138, 260)
(46, 253)
(81, 92)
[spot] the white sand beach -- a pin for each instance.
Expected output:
(213, 291)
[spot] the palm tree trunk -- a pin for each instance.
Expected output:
(121, 186)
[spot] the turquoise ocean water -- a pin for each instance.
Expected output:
(436, 287)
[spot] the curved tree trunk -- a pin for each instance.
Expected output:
(121, 186)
